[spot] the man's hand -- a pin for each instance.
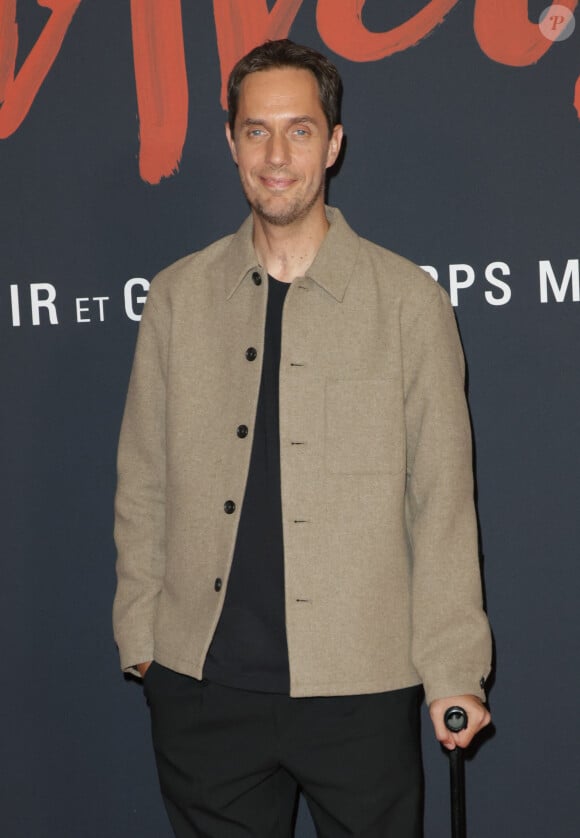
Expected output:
(143, 667)
(478, 716)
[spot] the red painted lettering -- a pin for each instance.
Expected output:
(162, 90)
(505, 33)
(503, 30)
(17, 93)
(341, 28)
(243, 24)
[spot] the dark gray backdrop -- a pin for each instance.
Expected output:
(452, 159)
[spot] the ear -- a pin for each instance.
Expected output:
(334, 145)
(231, 142)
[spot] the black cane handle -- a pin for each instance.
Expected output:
(455, 719)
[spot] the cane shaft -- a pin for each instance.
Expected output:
(457, 784)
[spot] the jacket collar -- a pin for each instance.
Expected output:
(331, 269)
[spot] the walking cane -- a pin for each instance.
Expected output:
(455, 720)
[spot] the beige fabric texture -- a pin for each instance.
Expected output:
(380, 536)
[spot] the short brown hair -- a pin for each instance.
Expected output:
(285, 53)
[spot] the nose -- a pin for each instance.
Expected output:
(278, 150)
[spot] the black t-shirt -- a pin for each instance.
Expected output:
(249, 648)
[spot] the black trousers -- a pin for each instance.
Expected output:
(231, 762)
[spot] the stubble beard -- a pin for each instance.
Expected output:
(298, 210)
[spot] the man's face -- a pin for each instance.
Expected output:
(281, 144)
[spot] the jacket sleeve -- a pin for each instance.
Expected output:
(451, 641)
(140, 497)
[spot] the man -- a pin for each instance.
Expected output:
(295, 522)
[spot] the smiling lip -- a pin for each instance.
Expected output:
(276, 182)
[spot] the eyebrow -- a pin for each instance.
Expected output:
(292, 121)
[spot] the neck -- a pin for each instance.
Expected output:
(288, 252)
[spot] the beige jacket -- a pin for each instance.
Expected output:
(380, 539)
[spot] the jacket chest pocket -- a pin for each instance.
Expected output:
(364, 427)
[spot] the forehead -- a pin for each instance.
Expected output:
(280, 91)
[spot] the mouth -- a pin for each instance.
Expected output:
(277, 184)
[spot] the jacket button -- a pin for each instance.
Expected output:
(256, 278)
(217, 585)
(242, 431)
(251, 353)
(229, 507)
